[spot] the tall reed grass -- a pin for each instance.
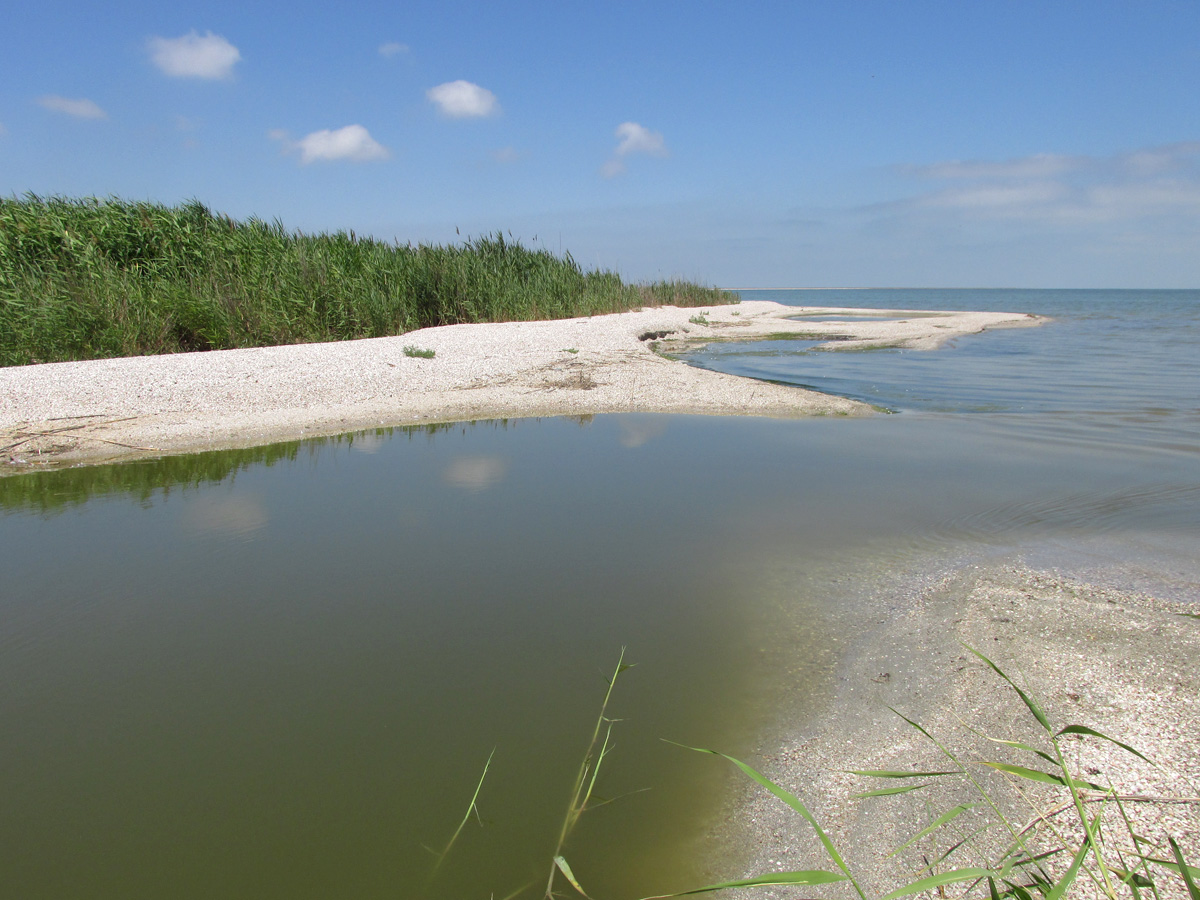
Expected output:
(90, 278)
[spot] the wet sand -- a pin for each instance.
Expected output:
(1122, 662)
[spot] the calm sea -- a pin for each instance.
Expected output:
(279, 672)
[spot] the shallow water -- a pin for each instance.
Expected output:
(279, 672)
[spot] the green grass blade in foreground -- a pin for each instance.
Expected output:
(1083, 729)
(1185, 871)
(561, 864)
(795, 803)
(1069, 876)
(1192, 872)
(1144, 877)
(887, 773)
(1043, 777)
(773, 879)
(1070, 783)
(1017, 836)
(585, 781)
(955, 876)
(945, 818)
(888, 792)
(1029, 701)
(471, 808)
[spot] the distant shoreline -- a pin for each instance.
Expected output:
(112, 409)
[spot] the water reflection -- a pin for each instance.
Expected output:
(229, 516)
(474, 473)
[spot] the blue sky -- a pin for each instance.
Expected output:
(742, 144)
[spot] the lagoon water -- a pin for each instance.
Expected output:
(280, 672)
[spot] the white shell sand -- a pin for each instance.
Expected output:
(102, 410)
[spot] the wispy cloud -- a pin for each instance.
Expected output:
(77, 109)
(353, 143)
(193, 56)
(393, 48)
(633, 139)
(1148, 182)
(507, 155)
(1040, 165)
(463, 100)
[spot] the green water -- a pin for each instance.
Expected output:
(279, 672)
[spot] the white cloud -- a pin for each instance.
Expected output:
(193, 56)
(1157, 160)
(79, 109)
(633, 139)
(392, 48)
(1147, 198)
(637, 139)
(997, 196)
(1040, 165)
(1149, 183)
(463, 100)
(353, 143)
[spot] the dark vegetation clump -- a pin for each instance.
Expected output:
(89, 278)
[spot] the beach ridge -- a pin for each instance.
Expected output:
(103, 410)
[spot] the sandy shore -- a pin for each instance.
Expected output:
(1119, 661)
(103, 410)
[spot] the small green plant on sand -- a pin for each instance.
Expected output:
(701, 319)
(1040, 861)
(417, 352)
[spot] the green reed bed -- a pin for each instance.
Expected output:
(89, 278)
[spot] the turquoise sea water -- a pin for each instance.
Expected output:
(279, 672)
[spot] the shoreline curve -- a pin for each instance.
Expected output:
(99, 411)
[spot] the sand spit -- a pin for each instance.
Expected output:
(102, 410)
(1118, 661)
